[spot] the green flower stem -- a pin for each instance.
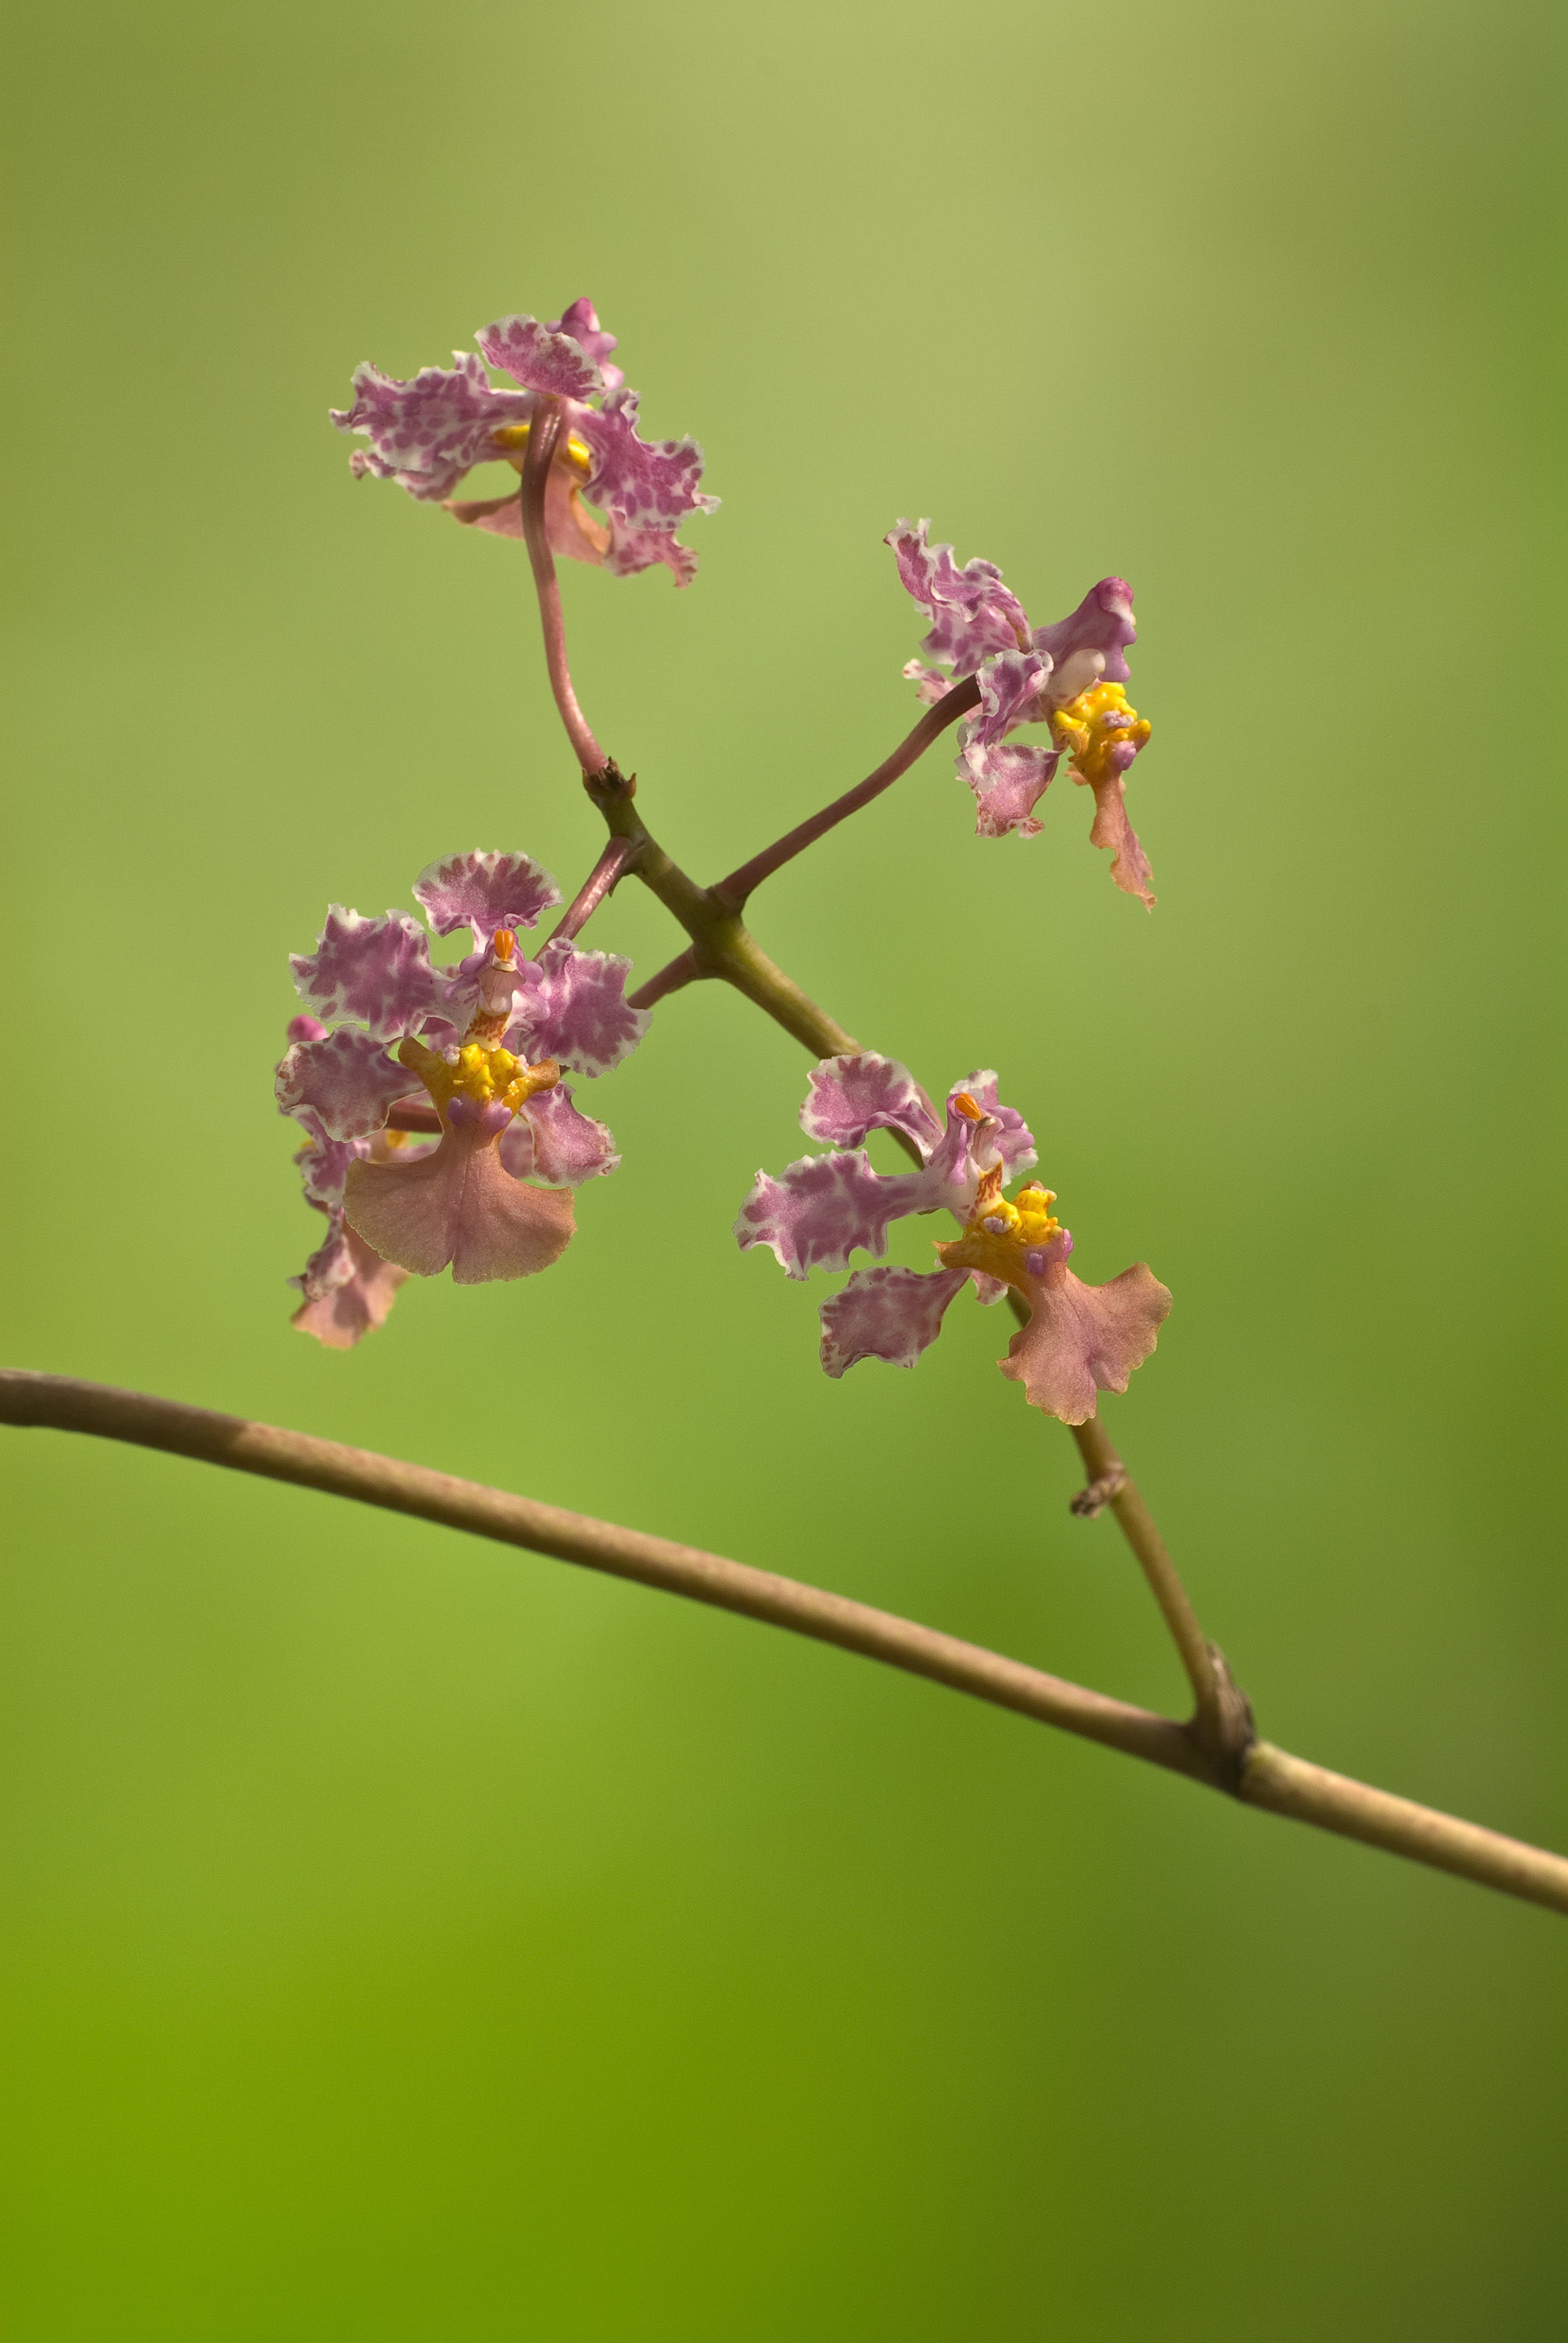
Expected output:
(735, 890)
(1269, 1778)
(721, 943)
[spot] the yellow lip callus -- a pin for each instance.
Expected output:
(1093, 724)
(486, 1076)
(513, 437)
(1000, 1235)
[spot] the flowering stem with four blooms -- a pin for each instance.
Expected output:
(409, 1185)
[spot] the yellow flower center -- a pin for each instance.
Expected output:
(1000, 1235)
(513, 437)
(487, 1076)
(1092, 725)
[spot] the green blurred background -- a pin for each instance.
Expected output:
(414, 1939)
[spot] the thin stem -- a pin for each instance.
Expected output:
(543, 436)
(1269, 1778)
(1222, 1719)
(675, 973)
(611, 866)
(733, 891)
(722, 945)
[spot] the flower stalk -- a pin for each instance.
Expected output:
(1222, 1715)
(544, 437)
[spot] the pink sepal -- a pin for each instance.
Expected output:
(972, 613)
(324, 1163)
(1008, 779)
(889, 1313)
(348, 1289)
(633, 550)
(459, 1206)
(375, 970)
(573, 1007)
(849, 1096)
(539, 358)
(645, 484)
(425, 433)
(823, 1207)
(346, 1080)
(931, 684)
(552, 1139)
(581, 322)
(484, 892)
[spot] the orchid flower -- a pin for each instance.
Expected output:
(485, 1042)
(427, 433)
(1079, 1339)
(1069, 676)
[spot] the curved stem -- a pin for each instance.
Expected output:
(676, 973)
(1269, 1778)
(606, 873)
(543, 437)
(1222, 1719)
(733, 891)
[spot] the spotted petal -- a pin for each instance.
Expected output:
(581, 322)
(931, 684)
(849, 1096)
(889, 1313)
(345, 1082)
(425, 433)
(458, 1205)
(633, 550)
(645, 484)
(554, 1142)
(539, 358)
(484, 892)
(1008, 778)
(377, 971)
(1081, 1340)
(573, 1009)
(324, 1163)
(823, 1207)
(972, 613)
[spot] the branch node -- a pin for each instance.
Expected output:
(609, 785)
(1228, 1733)
(1089, 1504)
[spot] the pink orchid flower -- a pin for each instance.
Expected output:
(412, 1185)
(1069, 676)
(1079, 1339)
(427, 433)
